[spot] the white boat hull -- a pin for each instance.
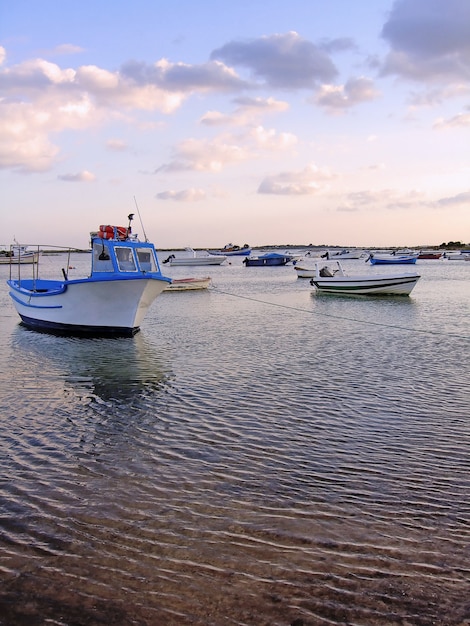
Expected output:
(28, 258)
(189, 284)
(215, 260)
(345, 254)
(398, 285)
(107, 306)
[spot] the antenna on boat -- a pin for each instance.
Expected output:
(141, 223)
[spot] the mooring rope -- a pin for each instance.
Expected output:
(340, 317)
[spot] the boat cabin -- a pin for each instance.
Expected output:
(128, 256)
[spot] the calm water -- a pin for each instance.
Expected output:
(257, 455)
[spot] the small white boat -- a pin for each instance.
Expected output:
(125, 279)
(189, 284)
(337, 255)
(461, 255)
(192, 258)
(17, 254)
(332, 279)
(304, 271)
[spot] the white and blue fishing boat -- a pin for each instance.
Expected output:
(113, 300)
(393, 258)
(267, 260)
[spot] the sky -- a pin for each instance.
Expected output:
(261, 122)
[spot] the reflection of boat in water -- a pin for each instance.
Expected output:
(113, 300)
(94, 368)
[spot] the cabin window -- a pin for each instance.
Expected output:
(125, 259)
(146, 260)
(101, 258)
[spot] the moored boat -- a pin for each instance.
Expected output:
(232, 250)
(393, 258)
(338, 255)
(192, 258)
(125, 279)
(269, 259)
(332, 279)
(460, 255)
(304, 271)
(429, 255)
(17, 254)
(189, 284)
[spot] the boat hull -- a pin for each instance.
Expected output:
(241, 252)
(189, 284)
(269, 259)
(304, 272)
(194, 261)
(400, 285)
(28, 258)
(376, 261)
(86, 307)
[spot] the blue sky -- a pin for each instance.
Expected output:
(336, 123)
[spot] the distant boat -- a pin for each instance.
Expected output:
(304, 271)
(344, 254)
(125, 279)
(17, 254)
(269, 259)
(332, 279)
(429, 254)
(392, 258)
(189, 284)
(192, 258)
(232, 250)
(460, 255)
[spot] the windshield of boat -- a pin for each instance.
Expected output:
(101, 258)
(146, 259)
(125, 259)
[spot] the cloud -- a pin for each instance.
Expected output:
(283, 60)
(429, 40)
(187, 195)
(24, 142)
(116, 145)
(461, 199)
(80, 177)
(308, 181)
(41, 98)
(205, 155)
(67, 48)
(247, 112)
(181, 77)
(213, 155)
(341, 44)
(338, 98)
(461, 120)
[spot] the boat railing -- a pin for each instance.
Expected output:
(30, 271)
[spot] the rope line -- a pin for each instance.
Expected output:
(340, 317)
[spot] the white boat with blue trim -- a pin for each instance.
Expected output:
(332, 279)
(113, 300)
